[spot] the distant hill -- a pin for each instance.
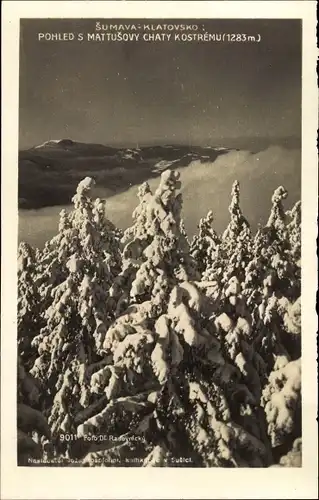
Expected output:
(206, 185)
(50, 172)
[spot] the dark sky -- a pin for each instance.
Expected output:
(160, 92)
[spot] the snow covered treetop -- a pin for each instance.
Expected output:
(279, 194)
(26, 256)
(82, 201)
(277, 215)
(85, 186)
(295, 215)
(169, 184)
(157, 214)
(143, 190)
(24, 249)
(81, 198)
(206, 222)
(238, 223)
(235, 196)
(234, 207)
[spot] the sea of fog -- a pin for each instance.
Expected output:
(205, 186)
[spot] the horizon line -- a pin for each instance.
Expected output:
(209, 143)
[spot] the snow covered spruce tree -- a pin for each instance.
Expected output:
(170, 392)
(222, 284)
(228, 255)
(78, 267)
(205, 244)
(236, 239)
(282, 402)
(294, 232)
(276, 251)
(29, 310)
(272, 285)
(155, 248)
(84, 233)
(33, 431)
(272, 291)
(266, 308)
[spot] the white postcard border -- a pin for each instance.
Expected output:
(69, 483)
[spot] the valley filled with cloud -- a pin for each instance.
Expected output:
(207, 175)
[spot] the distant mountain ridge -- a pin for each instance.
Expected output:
(49, 172)
(205, 185)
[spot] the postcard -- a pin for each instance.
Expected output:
(159, 259)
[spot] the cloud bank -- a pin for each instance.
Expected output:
(205, 186)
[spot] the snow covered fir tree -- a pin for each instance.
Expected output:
(142, 348)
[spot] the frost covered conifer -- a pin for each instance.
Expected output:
(236, 239)
(156, 251)
(168, 381)
(282, 402)
(205, 244)
(294, 232)
(86, 237)
(33, 432)
(273, 263)
(30, 309)
(79, 266)
(234, 327)
(171, 386)
(231, 256)
(272, 285)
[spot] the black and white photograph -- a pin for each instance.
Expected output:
(159, 242)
